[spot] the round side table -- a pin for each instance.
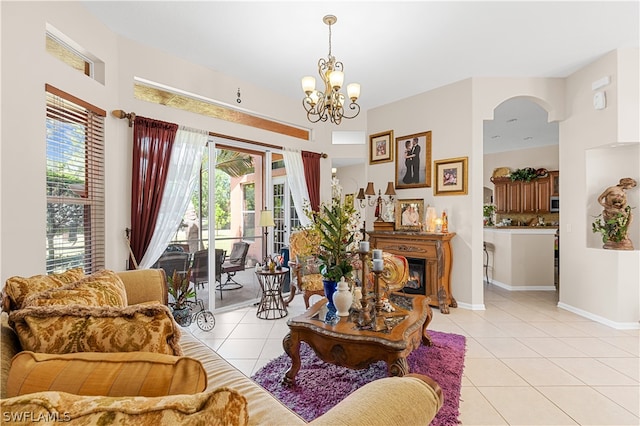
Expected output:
(271, 304)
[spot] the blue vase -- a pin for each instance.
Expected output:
(329, 289)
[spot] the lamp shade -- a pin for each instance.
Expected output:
(353, 91)
(266, 218)
(360, 194)
(370, 189)
(390, 189)
(308, 84)
(336, 78)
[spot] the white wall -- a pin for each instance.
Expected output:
(602, 284)
(26, 67)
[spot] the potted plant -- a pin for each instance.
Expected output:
(526, 174)
(338, 226)
(487, 212)
(614, 230)
(181, 291)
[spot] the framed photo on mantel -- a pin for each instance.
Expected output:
(413, 161)
(409, 215)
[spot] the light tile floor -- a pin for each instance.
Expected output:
(527, 362)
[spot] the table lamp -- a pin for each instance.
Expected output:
(266, 220)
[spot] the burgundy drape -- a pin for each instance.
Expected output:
(152, 143)
(311, 162)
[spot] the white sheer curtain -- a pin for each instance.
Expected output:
(186, 157)
(297, 185)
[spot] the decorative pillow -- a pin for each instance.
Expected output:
(76, 328)
(18, 288)
(104, 288)
(222, 406)
(106, 374)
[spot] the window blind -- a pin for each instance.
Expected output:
(75, 234)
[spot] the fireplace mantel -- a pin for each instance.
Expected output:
(435, 249)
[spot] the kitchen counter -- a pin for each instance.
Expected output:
(522, 257)
(523, 229)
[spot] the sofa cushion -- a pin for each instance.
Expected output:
(18, 288)
(222, 406)
(104, 288)
(75, 328)
(9, 347)
(263, 407)
(106, 374)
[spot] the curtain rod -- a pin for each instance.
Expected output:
(131, 116)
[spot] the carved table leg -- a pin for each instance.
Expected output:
(442, 300)
(453, 304)
(400, 367)
(291, 345)
(426, 339)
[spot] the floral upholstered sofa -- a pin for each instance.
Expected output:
(104, 349)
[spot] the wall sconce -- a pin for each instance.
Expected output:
(370, 193)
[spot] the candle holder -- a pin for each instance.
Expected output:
(378, 323)
(365, 319)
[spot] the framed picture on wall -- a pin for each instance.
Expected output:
(409, 215)
(413, 161)
(381, 147)
(348, 200)
(451, 176)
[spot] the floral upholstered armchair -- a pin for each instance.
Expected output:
(304, 264)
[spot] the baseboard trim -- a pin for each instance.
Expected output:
(601, 320)
(471, 307)
(523, 288)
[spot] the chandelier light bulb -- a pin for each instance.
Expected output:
(314, 96)
(308, 84)
(353, 90)
(336, 78)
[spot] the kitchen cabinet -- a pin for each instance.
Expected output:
(525, 197)
(528, 197)
(543, 194)
(500, 196)
(554, 177)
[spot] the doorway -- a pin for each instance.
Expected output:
(519, 136)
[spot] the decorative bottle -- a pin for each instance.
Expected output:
(445, 223)
(357, 295)
(342, 298)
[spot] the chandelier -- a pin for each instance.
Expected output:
(329, 104)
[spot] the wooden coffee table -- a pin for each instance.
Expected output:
(347, 345)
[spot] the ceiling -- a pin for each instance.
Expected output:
(393, 49)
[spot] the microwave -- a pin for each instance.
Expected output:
(554, 204)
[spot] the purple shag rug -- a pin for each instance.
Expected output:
(320, 386)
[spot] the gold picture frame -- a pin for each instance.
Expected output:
(413, 161)
(450, 176)
(381, 147)
(349, 200)
(409, 215)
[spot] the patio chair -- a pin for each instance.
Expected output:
(219, 259)
(173, 261)
(233, 265)
(200, 268)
